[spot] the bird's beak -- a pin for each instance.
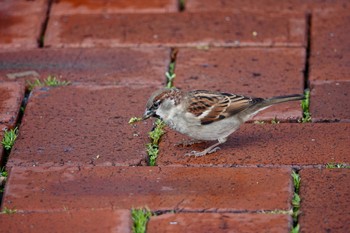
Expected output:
(147, 114)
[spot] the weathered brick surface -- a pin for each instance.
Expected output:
(70, 167)
(92, 221)
(20, 23)
(82, 125)
(180, 29)
(216, 222)
(330, 101)
(329, 67)
(70, 7)
(325, 199)
(11, 96)
(103, 66)
(159, 188)
(330, 53)
(254, 72)
(266, 144)
(267, 5)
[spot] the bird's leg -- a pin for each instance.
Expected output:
(210, 149)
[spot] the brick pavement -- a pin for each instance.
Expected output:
(77, 161)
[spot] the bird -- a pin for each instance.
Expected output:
(206, 115)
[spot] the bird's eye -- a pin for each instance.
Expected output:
(156, 104)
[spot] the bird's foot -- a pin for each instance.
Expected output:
(201, 153)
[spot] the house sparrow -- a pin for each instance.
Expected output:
(207, 115)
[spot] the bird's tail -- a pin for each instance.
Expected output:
(262, 104)
(282, 99)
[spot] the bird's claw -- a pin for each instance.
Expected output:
(201, 153)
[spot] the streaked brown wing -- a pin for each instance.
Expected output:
(214, 106)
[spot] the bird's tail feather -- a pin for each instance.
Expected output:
(262, 104)
(282, 99)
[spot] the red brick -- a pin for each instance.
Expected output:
(217, 222)
(253, 72)
(159, 188)
(266, 144)
(71, 7)
(325, 196)
(104, 66)
(330, 52)
(176, 29)
(68, 221)
(81, 125)
(20, 23)
(11, 96)
(267, 5)
(330, 101)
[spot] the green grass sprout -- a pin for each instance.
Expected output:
(337, 165)
(305, 105)
(152, 147)
(296, 181)
(134, 120)
(296, 200)
(275, 121)
(140, 217)
(8, 211)
(9, 138)
(295, 229)
(170, 74)
(50, 81)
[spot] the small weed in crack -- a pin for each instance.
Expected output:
(9, 138)
(305, 105)
(296, 202)
(8, 211)
(170, 74)
(337, 165)
(140, 218)
(50, 81)
(153, 146)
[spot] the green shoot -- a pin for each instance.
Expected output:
(295, 229)
(337, 165)
(8, 211)
(158, 132)
(170, 79)
(134, 120)
(50, 81)
(170, 74)
(3, 178)
(296, 181)
(275, 121)
(152, 151)
(305, 105)
(296, 206)
(9, 138)
(296, 198)
(140, 218)
(152, 147)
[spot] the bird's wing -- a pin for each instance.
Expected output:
(214, 106)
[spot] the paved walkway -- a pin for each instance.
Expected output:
(78, 166)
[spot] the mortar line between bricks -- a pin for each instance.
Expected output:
(18, 124)
(292, 166)
(307, 51)
(41, 38)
